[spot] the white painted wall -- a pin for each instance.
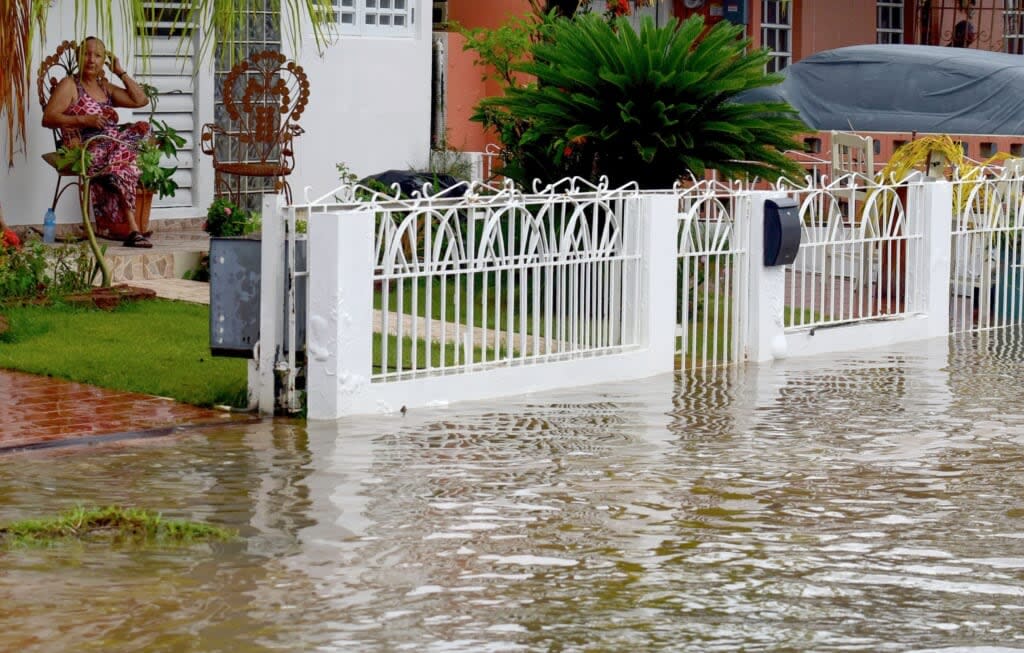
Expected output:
(27, 188)
(369, 106)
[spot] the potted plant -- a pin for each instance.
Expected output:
(225, 219)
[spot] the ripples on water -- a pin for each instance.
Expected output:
(869, 502)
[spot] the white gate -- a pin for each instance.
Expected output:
(986, 281)
(711, 277)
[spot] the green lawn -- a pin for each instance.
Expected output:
(156, 347)
(453, 300)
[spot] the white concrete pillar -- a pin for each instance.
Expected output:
(930, 213)
(656, 217)
(766, 297)
(339, 334)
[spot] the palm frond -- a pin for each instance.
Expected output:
(19, 20)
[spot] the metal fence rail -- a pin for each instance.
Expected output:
(711, 276)
(986, 281)
(496, 277)
(852, 264)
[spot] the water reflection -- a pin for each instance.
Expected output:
(864, 502)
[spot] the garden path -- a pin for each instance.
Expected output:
(39, 412)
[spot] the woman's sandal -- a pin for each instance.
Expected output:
(135, 239)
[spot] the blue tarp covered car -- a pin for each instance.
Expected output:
(905, 88)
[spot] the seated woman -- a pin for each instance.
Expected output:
(82, 107)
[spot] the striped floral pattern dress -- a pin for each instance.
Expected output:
(113, 168)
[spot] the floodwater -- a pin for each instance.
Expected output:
(865, 502)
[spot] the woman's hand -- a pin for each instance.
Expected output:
(93, 122)
(115, 65)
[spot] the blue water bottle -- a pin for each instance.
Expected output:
(49, 226)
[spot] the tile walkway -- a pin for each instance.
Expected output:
(40, 412)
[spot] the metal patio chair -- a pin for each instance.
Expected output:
(52, 71)
(264, 97)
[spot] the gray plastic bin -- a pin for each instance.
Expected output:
(235, 296)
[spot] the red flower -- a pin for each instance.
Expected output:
(619, 7)
(10, 240)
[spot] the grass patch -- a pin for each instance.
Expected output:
(155, 347)
(431, 354)
(444, 299)
(109, 524)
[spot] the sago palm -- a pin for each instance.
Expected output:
(650, 106)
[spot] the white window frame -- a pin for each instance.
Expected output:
(783, 32)
(893, 9)
(375, 17)
(1013, 26)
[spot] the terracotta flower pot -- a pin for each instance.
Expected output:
(143, 206)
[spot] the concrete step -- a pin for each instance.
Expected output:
(173, 254)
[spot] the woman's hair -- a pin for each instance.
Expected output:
(81, 46)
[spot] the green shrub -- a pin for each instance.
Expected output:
(650, 107)
(34, 270)
(22, 270)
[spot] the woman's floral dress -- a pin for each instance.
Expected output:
(113, 168)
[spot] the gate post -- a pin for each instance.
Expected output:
(272, 288)
(930, 213)
(339, 337)
(766, 296)
(649, 316)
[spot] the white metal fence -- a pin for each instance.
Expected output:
(853, 263)
(503, 278)
(543, 288)
(711, 274)
(479, 276)
(986, 282)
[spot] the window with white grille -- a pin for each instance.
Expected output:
(380, 17)
(1013, 26)
(777, 33)
(889, 21)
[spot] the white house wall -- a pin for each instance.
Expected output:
(369, 107)
(27, 188)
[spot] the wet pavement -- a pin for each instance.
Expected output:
(39, 412)
(44, 412)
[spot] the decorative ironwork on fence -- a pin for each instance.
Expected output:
(477, 276)
(852, 264)
(711, 275)
(482, 277)
(986, 281)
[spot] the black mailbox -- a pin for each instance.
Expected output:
(781, 231)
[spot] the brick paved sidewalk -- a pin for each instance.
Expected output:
(38, 411)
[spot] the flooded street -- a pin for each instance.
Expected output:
(865, 502)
